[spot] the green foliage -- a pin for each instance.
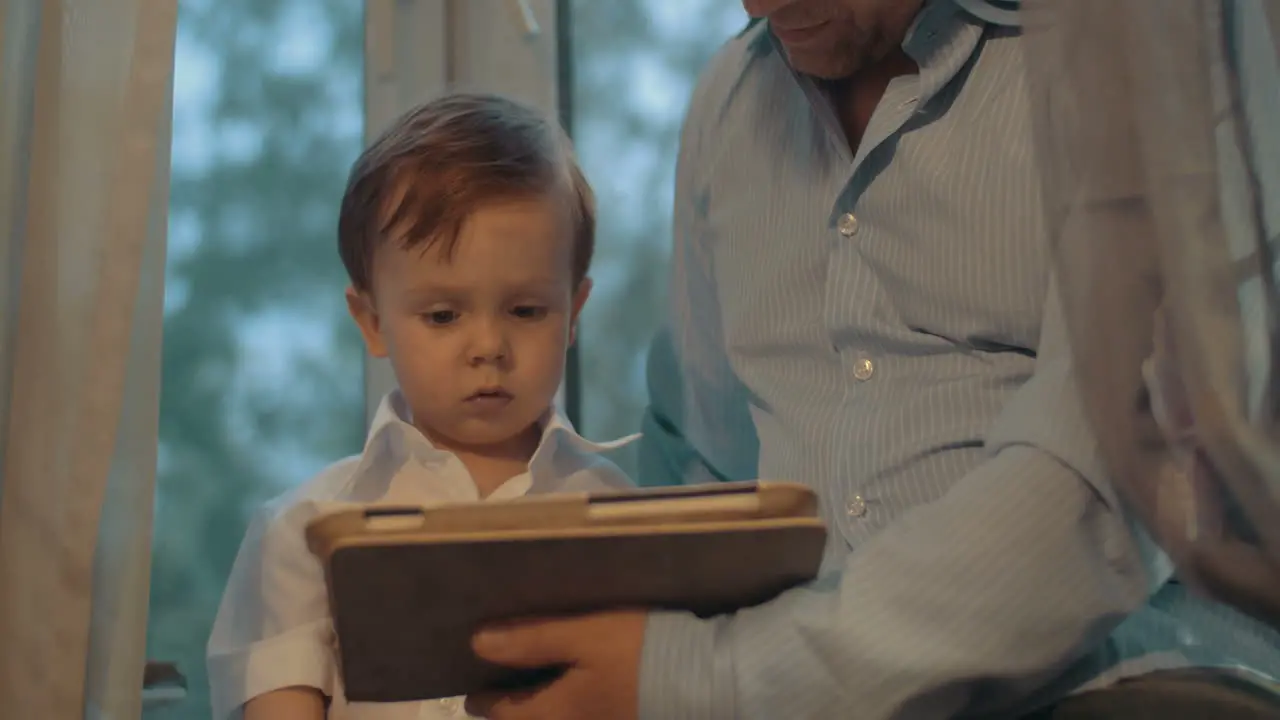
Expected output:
(265, 245)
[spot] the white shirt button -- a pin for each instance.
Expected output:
(857, 506)
(863, 369)
(847, 225)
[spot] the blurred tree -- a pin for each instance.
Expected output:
(262, 369)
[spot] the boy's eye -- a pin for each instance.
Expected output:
(441, 317)
(528, 312)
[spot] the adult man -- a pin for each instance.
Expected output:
(863, 301)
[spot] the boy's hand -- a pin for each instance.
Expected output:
(601, 653)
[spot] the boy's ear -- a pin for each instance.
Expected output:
(365, 313)
(579, 299)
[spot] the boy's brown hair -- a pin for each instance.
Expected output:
(440, 162)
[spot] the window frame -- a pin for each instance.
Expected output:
(417, 49)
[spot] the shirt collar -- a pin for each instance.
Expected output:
(942, 41)
(393, 440)
(995, 12)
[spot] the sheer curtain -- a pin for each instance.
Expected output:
(85, 96)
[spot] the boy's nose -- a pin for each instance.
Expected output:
(489, 344)
(480, 357)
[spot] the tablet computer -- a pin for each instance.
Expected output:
(409, 586)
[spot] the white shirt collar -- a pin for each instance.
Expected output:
(393, 440)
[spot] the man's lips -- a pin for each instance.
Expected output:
(796, 35)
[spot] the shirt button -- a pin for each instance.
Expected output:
(847, 225)
(857, 507)
(863, 369)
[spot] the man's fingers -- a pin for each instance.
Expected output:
(531, 644)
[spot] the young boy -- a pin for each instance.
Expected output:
(467, 231)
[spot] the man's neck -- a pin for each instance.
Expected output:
(855, 98)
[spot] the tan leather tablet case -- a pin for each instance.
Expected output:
(409, 586)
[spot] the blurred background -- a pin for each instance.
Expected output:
(264, 381)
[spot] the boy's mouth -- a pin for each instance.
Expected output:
(488, 395)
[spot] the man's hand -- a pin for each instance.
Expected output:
(601, 654)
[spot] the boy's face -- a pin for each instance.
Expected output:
(477, 339)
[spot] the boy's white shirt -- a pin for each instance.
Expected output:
(273, 628)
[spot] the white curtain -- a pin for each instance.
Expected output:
(85, 97)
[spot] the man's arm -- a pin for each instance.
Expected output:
(667, 457)
(697, 426)
(970, 603)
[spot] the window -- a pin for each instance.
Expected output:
(633, 67)
(264, 375)
(261, 384)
